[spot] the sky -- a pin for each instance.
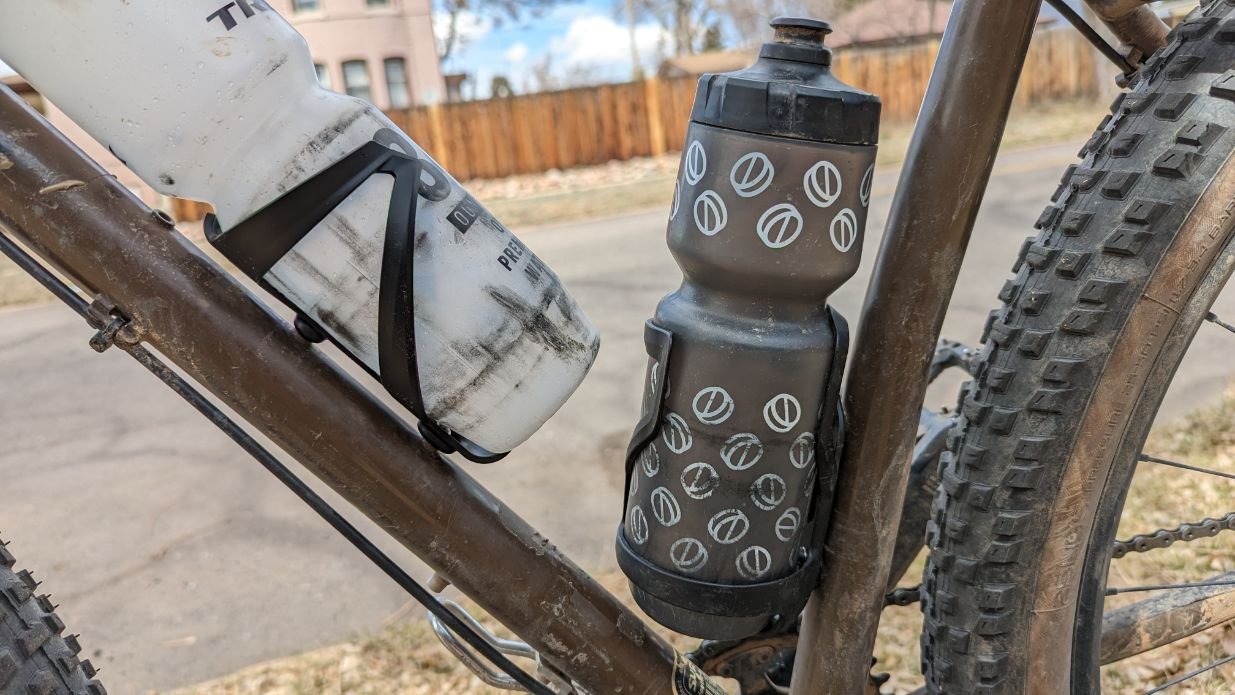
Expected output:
(578, 41)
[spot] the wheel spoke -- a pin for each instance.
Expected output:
(1115, 591)
(1212, 317)
(1190, 675)
(1186, 466)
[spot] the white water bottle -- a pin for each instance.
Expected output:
(217, 100)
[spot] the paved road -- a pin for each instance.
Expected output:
(179, 560)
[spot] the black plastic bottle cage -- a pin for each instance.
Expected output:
(781, 598)
(259, 242)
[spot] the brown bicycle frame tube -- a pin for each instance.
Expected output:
(941, 187)
(82, 221)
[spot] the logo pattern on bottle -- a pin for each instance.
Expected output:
(754, 562)
(695, 164)
(788, 523)
(768, 491)
(688, 554)
(711, 215)
(728, 527)
(712, 405)
(665, 507)
(676, 434)
(823, 184)
(802, 452)
(700, 480)
(844, 230)
(782, 413)
(637, 526)
(780, 226)
(752, 175)
(649, 458)
(868, 184)
(741, 451)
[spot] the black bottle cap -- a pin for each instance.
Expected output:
(790, 92)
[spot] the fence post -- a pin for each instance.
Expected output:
(656, 127)
(440, 148)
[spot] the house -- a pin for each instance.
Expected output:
(701, 63)
(382, 51)
(890, 22)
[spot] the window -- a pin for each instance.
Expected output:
(305, 5)
(323, 75)
(396, 83)
(378, 3)
(356, 80)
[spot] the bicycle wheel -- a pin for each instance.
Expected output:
(35, 659)
(1129, 256)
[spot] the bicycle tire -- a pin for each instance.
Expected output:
(35, 656)
(1101, 308)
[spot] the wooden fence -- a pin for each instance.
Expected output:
(593, 125)
(560, 130)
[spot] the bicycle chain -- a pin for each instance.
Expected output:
(1184, 533)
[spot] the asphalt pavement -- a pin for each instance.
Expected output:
(178, 559)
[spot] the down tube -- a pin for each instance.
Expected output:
(85, 223)
(941, 186)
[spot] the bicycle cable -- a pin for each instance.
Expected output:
(1092, 36)
(228, 426)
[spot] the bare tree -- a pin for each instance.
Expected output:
(494, 10)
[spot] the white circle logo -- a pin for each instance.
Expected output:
(752, 175)
(809, 488)
(713, 405)
(754, 562)
(823, 184)
(650, 459)
(637, 525)
(711, 216)
(728, 526)
(844, 231)
(700, 480)
(780, 226)
(677, 200)
(802, 451)
(868, 183)
(788, 523)
(767, 492)
(741, 451)
(665, 507)
(688, 554)
(782, 413)
(676, 434)
(696, 164)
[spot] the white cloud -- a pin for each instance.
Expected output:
(517, 53)
(596, 41)
(469, 28)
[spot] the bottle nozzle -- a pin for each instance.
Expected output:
(800, 31)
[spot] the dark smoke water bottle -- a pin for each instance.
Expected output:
(732, 468)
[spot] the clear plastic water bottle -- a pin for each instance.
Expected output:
(217, 100)
(732, 467)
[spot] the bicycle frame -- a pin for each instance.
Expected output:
(71, 213)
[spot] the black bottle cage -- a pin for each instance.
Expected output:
(784, 597)
(256, 244)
